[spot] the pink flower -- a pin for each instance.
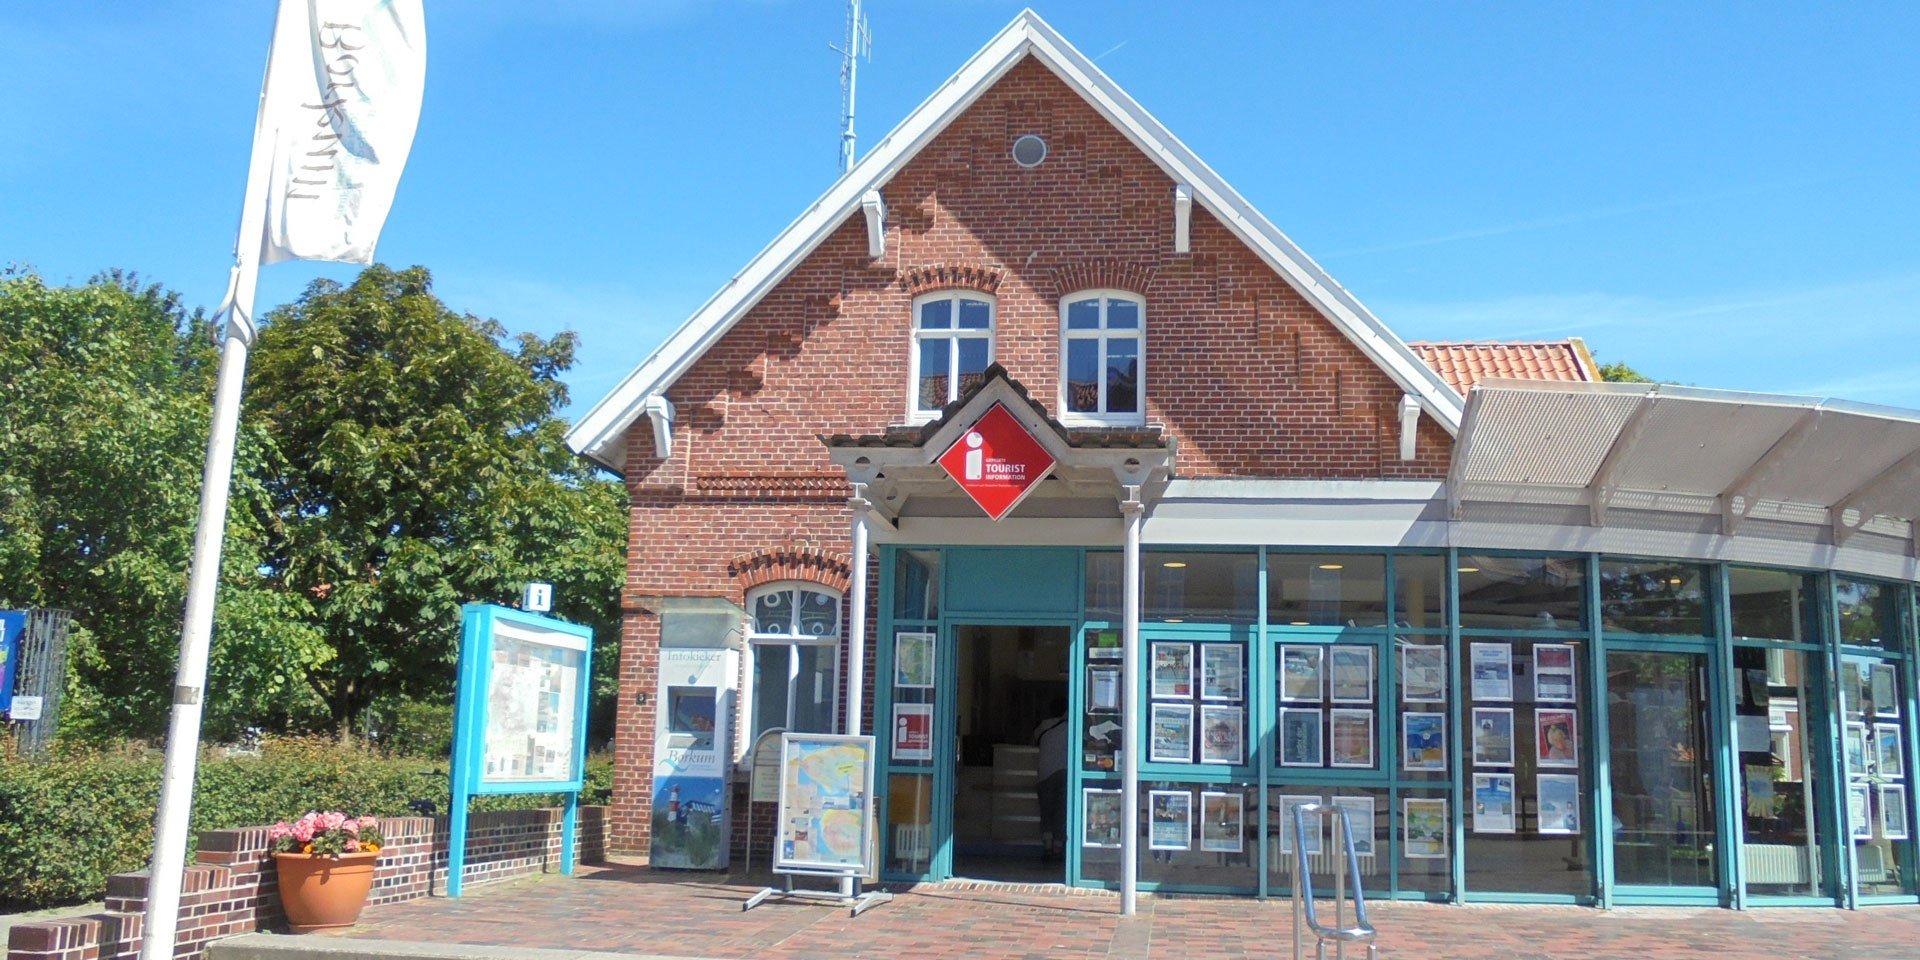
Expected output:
(353, 846)
(279, 831)
(332, 820)
(352, 827)
(366, 822)
(303, 830)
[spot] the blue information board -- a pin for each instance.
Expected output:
(520, 717)
(13, 623)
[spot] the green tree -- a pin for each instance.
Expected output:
(104, 407)
(1618, 372)
(420, 465)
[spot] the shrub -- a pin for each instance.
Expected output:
(70, 821)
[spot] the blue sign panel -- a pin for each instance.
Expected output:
(13, 624)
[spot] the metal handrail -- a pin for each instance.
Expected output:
(1347, 870)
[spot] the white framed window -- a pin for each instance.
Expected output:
(952, 346)
(794, 639)
(1103, 364)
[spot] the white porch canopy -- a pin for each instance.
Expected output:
(1690, 461)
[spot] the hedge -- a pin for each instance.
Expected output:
(67, 823)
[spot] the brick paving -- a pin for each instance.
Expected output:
(633, 910)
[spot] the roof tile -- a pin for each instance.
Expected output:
(1464, 363)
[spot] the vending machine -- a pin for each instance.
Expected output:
(693, 757)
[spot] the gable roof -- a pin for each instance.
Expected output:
(1464, 363)
(601, 433)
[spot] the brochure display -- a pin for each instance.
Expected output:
(520, 718)
(692, 767)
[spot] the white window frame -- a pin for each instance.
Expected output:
(758, 639)
(1100, 417)
(954, 333)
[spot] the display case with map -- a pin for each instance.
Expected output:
(826, 798)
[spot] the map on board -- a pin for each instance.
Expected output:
(533, 695)
(825, 801)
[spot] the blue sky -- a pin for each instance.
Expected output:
(1721, 194)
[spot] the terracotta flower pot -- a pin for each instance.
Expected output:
(322, 892)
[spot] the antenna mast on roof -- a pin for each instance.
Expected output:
(859, 44)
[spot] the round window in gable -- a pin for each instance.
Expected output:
(1029, 150)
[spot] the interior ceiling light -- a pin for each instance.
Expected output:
(1302, 623)
(1469, 569)
(1333, 566)
(1173, 565)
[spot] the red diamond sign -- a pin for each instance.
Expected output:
(997, 462)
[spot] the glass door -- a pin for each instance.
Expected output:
(1661, 757)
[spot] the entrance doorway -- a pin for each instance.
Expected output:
(1012, 739)
(1665, 825)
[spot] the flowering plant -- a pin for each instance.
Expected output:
(327, 834)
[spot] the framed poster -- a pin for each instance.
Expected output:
(1886, 700)
(1423, 825)
(1557, 738)
(1856, 745)
(913, 731)
(1423, 741)
(1559, 801)
(1314, 825)
(1223, 672)
(1223, 821)
(1301, 677)
(913, 660)
(522, 703)
(1169, 820)
(1493, 810)
(1300, 744)
(826, 811)
(1360, 818)
(1893, 811)
(1100, 818)
(1170, 733)
(1350, 673)
(1103, 687)
(1860, 810)
(1352, 739)
(1889, 751)
(1553, 672)
(1491, 667)
(1493, 736)
(1172, 671)
(1222, 734)
(1423, 673)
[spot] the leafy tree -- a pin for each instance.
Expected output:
(103, 424)
(1618, 372)
(421, 464)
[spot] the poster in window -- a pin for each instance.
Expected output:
(1888, 748)
(1893, 811)
(1104, 645)
(1493, 803)
(1352, 739)
(1559, 800)
(1423, 739)
(1222, 734)
(1300, 744)
(1553, 672)
(1423, 825)
(1103, 688)
(1360, 818)
(1223, 673)
(1100, 820)
(913, 659)
(1886, 702)
(1313, 824)
(1350, 673)
(1170, 820)
(1171, 733)
(1300, 674)
(1557, 738)
(1491, 665)
(1223, 821)
(1172, 671)
(1423, 673)
(913, 731)
(1860, 810)
(1493, 736)
(1857, 749)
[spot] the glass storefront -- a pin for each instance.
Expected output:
(1496, 725)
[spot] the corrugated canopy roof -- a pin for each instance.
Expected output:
(1659, 448)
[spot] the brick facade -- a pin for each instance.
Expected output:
(1245, 375)
(232, 886)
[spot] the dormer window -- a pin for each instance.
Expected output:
(1103, 358)
(952, 347)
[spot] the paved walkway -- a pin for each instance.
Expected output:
(632, 910)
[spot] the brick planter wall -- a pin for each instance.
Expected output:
(231, 887)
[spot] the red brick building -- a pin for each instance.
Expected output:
(1254, 481)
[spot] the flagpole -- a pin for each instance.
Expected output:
(203, 575)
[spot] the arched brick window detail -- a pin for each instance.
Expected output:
(809, 564)
(1120, 275)
(927, 278)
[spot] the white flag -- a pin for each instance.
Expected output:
(337, 117)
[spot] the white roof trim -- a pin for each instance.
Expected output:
(601, 433)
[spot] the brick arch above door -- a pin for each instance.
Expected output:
(808, 564)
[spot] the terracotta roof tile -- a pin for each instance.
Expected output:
(1464, 363)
